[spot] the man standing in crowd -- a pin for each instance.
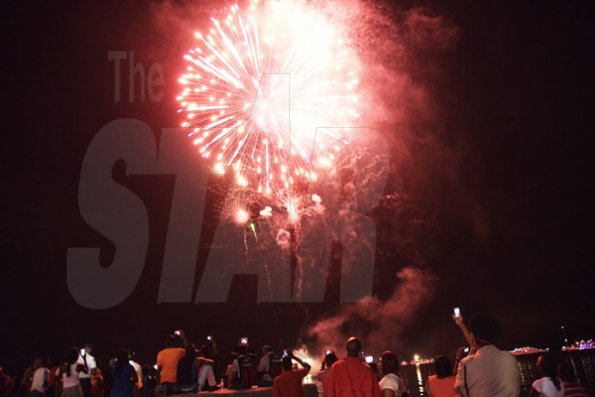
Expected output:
(351, 377)
(167, 364)
(289, 383)
(488, 371)
(86, 359)
(40, 380)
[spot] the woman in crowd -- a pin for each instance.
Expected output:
(329, 359)
(70, 370)
(549, 385)
(443, 383)
(392, 383)
(124, 376)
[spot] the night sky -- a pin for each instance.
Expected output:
(494, 199)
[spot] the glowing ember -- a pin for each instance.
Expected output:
(257, 86)
(242, 217)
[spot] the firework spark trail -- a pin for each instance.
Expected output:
(245, 73)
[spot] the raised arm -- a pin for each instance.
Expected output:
(466, 333)
(301, 362)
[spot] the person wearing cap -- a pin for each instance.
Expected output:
(487, 371)
(351, 377)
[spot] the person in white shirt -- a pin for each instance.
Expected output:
(488, 371)
(264, 371)
(86, 359)
(40, 381)
(70, 372)
(138, 369)
(549, 385)
(392, 383)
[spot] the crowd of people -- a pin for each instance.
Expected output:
(481, 369)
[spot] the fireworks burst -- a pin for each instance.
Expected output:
(258, 87)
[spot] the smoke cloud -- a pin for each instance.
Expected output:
(377, 323)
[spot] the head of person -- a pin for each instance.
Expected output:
(72, 355)
(485, 329)
(286, 363)
(546, 366)
(242, 350)
(566, 373)
(330, 358)
(548, 369)
(178, 341)
(389, 362)
(170, 341)
(88, 348)
(353, 347)
(204, 351)
(122, 356)
(442, 367)
(121, 360)
(191, 350)
(37, 363)
(131, 354)
(266, 349)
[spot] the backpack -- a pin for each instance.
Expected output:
(275, 368)
(246, 377)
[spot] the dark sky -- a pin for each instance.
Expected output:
(511, 216)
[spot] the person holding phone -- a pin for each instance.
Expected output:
(70, 373)
(241, 373)
(289, 383)
(243, 346)
(329, 359)
(487, 370)
(85, 358)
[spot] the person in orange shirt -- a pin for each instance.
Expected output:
(167, 365)
(289, 383)
(443, 383)
(351, 377)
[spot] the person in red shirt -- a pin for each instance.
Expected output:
(351, 377)
(289, 383)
